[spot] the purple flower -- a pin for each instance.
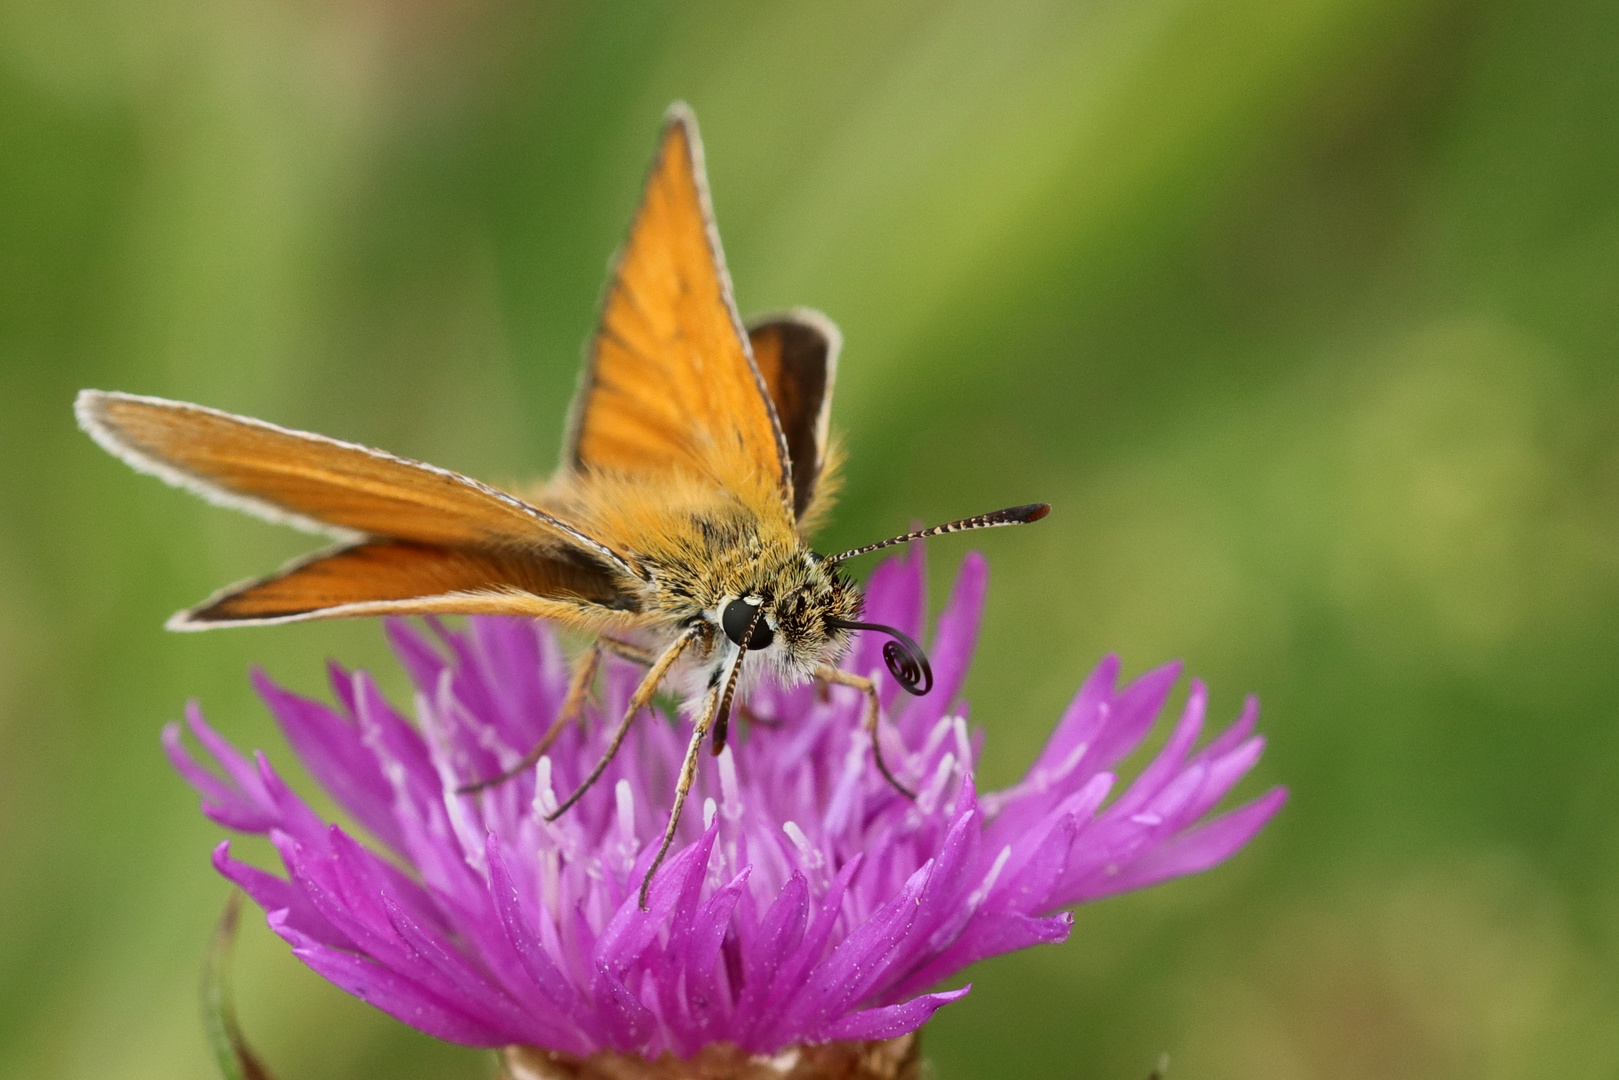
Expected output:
(804, 901)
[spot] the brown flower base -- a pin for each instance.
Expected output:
(891, 1059)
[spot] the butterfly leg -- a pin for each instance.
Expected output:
(623, 649)
(688, 773)
(638, 701)
(584, 676)
(829, 674)
(573, 705)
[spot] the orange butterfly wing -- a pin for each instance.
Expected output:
(670, 382)
(317, 483)
(796, 353)
(424, 540)
(403, 578)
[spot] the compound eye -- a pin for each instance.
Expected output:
(734, 621)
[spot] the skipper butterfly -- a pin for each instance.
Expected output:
(675, 533)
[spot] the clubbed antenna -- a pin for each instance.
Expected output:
(1012, 515)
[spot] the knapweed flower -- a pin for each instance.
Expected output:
(805, 902)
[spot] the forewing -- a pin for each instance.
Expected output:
(316, 483)
(797, 356)
(669, 382)
(401, 578)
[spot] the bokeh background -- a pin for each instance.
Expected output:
(1301, 312)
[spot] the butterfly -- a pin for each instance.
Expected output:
(675, 534)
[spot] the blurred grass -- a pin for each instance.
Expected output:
(1301, 313)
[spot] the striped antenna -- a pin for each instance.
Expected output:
(722, 715)
(1012, 515)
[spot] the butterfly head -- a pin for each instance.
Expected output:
(807, 622)
(813, 608)
(792, 619)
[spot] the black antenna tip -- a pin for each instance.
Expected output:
(1031, 512)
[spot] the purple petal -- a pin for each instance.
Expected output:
(627, 1022)
(632, 929)
(239, 770)
(392, 993)
(511, 660)
(843, 977)
(1034, 868)
(380, 877)
(770, 1025)
(1132, 715)
(222, 802)
(779, 935)
(1198, 849)
(341, 680)
(275, 894)
(942, 895)
(1223, 774)
(474, 991)
(896, 596)
(332, 750)
(542, 973)
(293, 815)
(1083, 718)
(952, 645)
(890, 1021)
(1169, 759)
(401, 754)
(990, 935)
(1239, 730)
(497, 925)
(421, 661)
(362, 923)
(704, 973)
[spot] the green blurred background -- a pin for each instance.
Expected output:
(1301, 312)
